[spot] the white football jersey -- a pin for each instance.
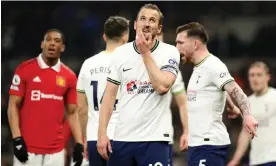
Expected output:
(177, 88)
(263, 147)
(92, 82)
(143, 112)
(206, 101)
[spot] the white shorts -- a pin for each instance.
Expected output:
(55, 159)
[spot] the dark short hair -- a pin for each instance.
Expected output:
(115, 26)
(58, 31)
(153, 7)
(194, 29)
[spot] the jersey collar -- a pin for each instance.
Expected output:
(203, 60)
(152, 49)
(43, 65)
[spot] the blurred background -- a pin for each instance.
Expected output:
(240, 33)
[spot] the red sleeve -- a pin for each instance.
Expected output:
(18, 84)
(71, 94)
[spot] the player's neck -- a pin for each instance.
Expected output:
(50, 61)
(110, 47)
(200, 55)
(262, 92)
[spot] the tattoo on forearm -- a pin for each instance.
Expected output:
(241, 100)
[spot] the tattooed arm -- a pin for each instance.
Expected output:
(232, 109)
(240, 99)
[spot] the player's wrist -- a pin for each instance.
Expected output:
(101, 132)
(14, 136)
(236, 159)
(185, 132)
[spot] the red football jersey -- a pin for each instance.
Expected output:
(45, 90)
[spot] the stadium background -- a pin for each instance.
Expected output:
(240, 32)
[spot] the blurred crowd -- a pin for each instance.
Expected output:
(240, 33)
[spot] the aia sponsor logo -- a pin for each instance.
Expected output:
(137, 87)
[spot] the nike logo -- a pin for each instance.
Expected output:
(124, 70)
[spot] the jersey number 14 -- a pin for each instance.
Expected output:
(95, 96)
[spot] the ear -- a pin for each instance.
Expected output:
(268, 77)
(196, 44)
(42, 44)
(160, 29)
(135, 25)
(104, 37)
(62, 48)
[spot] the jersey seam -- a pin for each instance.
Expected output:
(222, 85)
(113, 81)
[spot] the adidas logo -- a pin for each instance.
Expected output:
(36, 79)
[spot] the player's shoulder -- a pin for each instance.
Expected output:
(166, 46)
(215, 59)
(27, 64)
(67, 70)
(272, 91)
(125, 47)
(93, 58)
(123, 51)
(212, 62)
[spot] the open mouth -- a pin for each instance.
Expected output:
(146, 30)
(51, 50)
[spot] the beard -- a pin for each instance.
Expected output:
(185, 59)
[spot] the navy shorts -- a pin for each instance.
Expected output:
(268, 164)
(95, 159)
(170, 154)
(139, 154)
(208, 155)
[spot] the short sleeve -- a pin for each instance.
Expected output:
(81, 79)
(171, 61)
(114, 76)
(18, 85)
(178, 86)
(71, 94)
(220, 75)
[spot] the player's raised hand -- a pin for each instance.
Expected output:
(103, 144)
(234, 112)
(251, 124)
(183, 142)
(142, 44)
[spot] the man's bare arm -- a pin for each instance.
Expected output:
(73, 120)
(242, 145)
(83, 112)
(229, 102)
(238, 97)
(107, 106)
(181, 103)
(13, 114)
(161, 80)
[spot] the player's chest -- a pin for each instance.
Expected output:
(134, 68)
(47, 81)
(262, 107)
(199, 81)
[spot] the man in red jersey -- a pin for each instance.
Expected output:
(40, 91)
